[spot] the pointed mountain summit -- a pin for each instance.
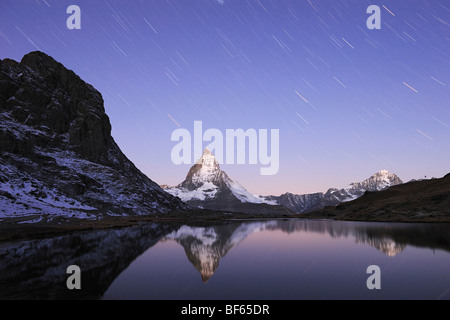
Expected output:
(207, 186)
(381, 180)
(205, 170)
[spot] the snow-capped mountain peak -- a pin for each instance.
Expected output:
(207, 182)
(205, 170)
(380, 180)
(208, 159)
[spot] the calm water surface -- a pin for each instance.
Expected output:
(279, 259)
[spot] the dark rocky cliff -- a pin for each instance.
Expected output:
(57, 154)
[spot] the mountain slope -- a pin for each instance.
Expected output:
(207, 186)
(303, 203)
(57, 153)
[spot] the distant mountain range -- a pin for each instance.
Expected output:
(302, 203)
(207, 186)
(419, 201)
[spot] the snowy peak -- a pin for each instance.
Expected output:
(206, 170)
(206, 182)
(386, 175)
(208, 159)
(380, 180)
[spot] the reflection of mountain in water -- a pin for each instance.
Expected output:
(389, 238)
(205, 246)
(362, 233)
(37, 269)
(387, 246)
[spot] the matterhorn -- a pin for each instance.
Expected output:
(207, 186)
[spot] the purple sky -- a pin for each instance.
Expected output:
(348, 101)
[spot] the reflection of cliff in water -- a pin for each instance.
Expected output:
(205, 246)
(37, 269)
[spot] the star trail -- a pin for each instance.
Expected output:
(348, 101)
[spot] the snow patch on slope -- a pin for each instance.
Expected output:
(206, 191)
(209, 170)
(22, 196)
(241, 193)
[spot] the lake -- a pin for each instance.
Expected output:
(249, 260)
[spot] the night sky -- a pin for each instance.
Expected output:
(348, 101)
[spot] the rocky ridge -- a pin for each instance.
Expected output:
(57, 155)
